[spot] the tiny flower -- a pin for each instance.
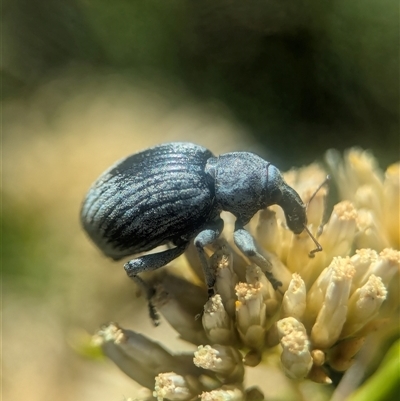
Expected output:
(226, 362)
(226, 278)
(139, 357)
(333, 312)
(338, 233)
(336, 240)
(370, 231)
(269, 233)
(216, 322)
(251, 314)
(172, 387)
(358, 174)
(361, 261)
(364, 305)
(318, 357)
(294, 299)
(296, 357)
(358, 168)
(289, 325)
(226, 393)
(386, 266)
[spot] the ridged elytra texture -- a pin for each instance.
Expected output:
(150, 198)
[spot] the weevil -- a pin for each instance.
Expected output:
(174, 193)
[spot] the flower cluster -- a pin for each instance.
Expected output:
(315, 323)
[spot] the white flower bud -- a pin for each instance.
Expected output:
(136, 355)
(361, 262)
(172, 387)
(294, 299)
(318, 357)
(371, 233)
(331, 317)
(226, 362)
(225, 277)
(250, 314)
(226, 393)
(216, 322)
(296, 357)
(267, 231)
(338, 234)
(364, 305)
(289, 325)
(387, 265)
(359, 168)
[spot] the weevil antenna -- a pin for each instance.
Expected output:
(324, 217)
(325, 182)
(319, 231)
(318, 248)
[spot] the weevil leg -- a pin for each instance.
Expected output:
(204, 238)
(149, 263)
(245, 242)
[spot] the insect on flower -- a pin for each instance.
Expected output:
(174, 193)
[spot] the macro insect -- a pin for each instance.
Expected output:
(174, 193)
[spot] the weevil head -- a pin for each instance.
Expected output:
(280, 193)
(294, 209)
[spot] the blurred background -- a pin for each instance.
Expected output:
(85, 83)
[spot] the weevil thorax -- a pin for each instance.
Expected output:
(245, 183)
(240, 182)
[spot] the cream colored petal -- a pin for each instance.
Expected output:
(332, 316)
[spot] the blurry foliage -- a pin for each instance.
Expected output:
(22, 248)
(384, 385)
(309, 74)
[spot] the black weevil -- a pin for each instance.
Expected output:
(173, 193)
